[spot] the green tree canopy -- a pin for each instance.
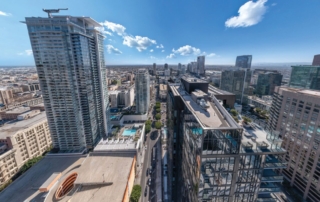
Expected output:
(246, 119)
(158, 125)
(136, 193)
(158, 110)
(148, 128)
(158, 116)
(234, 112)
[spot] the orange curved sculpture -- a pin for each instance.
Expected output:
(66, 186)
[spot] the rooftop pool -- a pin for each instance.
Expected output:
(129, 132)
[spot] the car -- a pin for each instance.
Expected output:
(149, 181)
(150, 170)
(147, 172)
(145, 191)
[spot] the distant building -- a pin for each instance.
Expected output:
(6, 95)
(201, 71)
(237, 82)
(179, 66)
(167, 72)
(244, 61)
(316, 60)
(263, 103)
(295, 113)
(22, 140)
(267, 82)
(142, 87)
(307, 77)
(69, 56)
(163, 91)
(228, 99)
(154, 69)
(30, 87)
(166, 66)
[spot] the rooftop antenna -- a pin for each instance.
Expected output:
(49, 11)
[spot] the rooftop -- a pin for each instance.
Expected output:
(194, 80)
(217, 91)
(94, 172)
(18, 110)
(163, 87)
(12, 127)
(209, 118)
(314, 93)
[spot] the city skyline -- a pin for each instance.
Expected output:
(178, 32)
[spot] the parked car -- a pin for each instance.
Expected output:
(147, 172)
(145, 191)
(149, 181)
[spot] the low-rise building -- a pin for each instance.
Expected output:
(262, 103)
(163, 91)
(13, 113)
(22, 140)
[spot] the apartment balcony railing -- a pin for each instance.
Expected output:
(266, 200)
(273, 165)
(269, 190)
(272, 179)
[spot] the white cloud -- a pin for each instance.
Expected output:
(187, 50)
(119, 29)
(103, 31)
(151, 50)
(211, 55)
(113, 50)
(4, 13)
(162, 51)
(250, 13)
(26, 52)
(160, 46)
(152, 57)
(139, 42)
(172, 55)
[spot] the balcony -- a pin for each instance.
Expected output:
(266, 200)
(272, 162)
(270, 176)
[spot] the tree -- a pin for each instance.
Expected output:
(136, 193)
(158, 105)
(246, 119)
(158, 110)
(158, 116)
(235, 118)
(234, 112)
(148, 122)
(114, 82)
(258, 110)
(158, 125)
(148, 128)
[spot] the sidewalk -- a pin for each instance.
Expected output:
(140, 167)
(159, 170)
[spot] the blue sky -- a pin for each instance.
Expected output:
(166, 31)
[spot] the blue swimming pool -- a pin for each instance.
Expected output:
(129, 132)
(197, 131)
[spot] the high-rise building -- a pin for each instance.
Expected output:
(316, 60)
(244, 61)
(69, 56)
(142, 85)
(210, 157)
(295, 113)
(166, 66)
(154, 69)
(179, 66)
(267, 82)
(238, 83)
(194, 67)
(305, 76)
(201, 66)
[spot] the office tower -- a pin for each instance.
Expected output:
(194, 67)
(179, 66)
(142, 84)
(316, 60)
(306, 76)
(166, 66)
(267, 82)
(237, 82)
(210, 157)
(295, 113)
(201, 66)
(69, 56)
(244, 61)
(154, 69)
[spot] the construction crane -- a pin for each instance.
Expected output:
(49, 11)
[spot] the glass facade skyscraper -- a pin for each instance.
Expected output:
(69, 56)
(267, 82)
(307, 77)
(201, 66)
(211, 158)
(142, 84)
(237, 82)
(244, 61)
